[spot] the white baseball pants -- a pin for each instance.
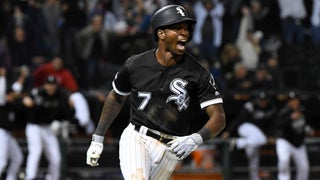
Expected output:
(144, 158)
(41, 137)
(285, 151)
(251, 139)
(10, 150)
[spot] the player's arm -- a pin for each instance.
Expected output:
(216, 122)
(111, 108)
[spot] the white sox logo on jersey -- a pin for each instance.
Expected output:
(180, 11)
(181, 97)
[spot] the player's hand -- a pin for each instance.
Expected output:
(55, 126)
(95, 150)
(183, 146)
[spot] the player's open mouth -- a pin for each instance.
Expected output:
(181, 44)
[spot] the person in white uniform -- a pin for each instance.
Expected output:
(252, 125)
(10, 149)
(47, 104)
(292, 125)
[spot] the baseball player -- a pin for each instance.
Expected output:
(10, 149)
(293, 128)
(47, 104)
(166, 86)
(252, 124)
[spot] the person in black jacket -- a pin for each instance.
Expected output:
(252, 124)
(292, 125)
(48, 105)
(10, 149)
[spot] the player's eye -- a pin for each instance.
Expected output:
(179, 26)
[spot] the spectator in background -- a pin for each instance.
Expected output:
(208, 29)
(232, 18)
(20, 19)
(74, 19)
(253, 124)
(47, 105)
(10, 150)
(248, 41)
(110, 18)
(240, 80)
(92, 46)
(34, 11)
(292, 14)
(51, 10)
(292, 126)
(6, 8)
(315, 23)
(20, 37)
(262, 79)
(21, 47)
(56, 68)
(272, 66)
(230, 55)
(5, 55)
(261, 18)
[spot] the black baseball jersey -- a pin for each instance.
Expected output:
(291, 130)
(165, 98)
(7, 113)
(48, 108)
(7, 116)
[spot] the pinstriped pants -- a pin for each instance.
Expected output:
(10, 150)
(142, 157)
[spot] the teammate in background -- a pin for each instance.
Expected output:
(166, 87)
(47, 104)
(252, 124)
(10, 149)
(67, 81)
(293, 128)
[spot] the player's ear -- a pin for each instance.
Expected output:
(161, 34)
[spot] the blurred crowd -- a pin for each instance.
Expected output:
(248, 45)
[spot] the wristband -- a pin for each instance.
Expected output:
(205, 133)
(97, 138)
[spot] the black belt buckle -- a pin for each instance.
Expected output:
(154, 135)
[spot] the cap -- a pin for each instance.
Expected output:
(293, 95)
(262, 95)
(51, 80)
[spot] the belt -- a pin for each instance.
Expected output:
(153, 135)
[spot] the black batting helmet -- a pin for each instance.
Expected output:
(171, 14)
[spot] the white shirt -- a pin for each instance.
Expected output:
(200, 14)
(315, 16)
(293, 8)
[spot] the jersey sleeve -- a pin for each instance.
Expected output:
(121, 83)
(208, 92)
